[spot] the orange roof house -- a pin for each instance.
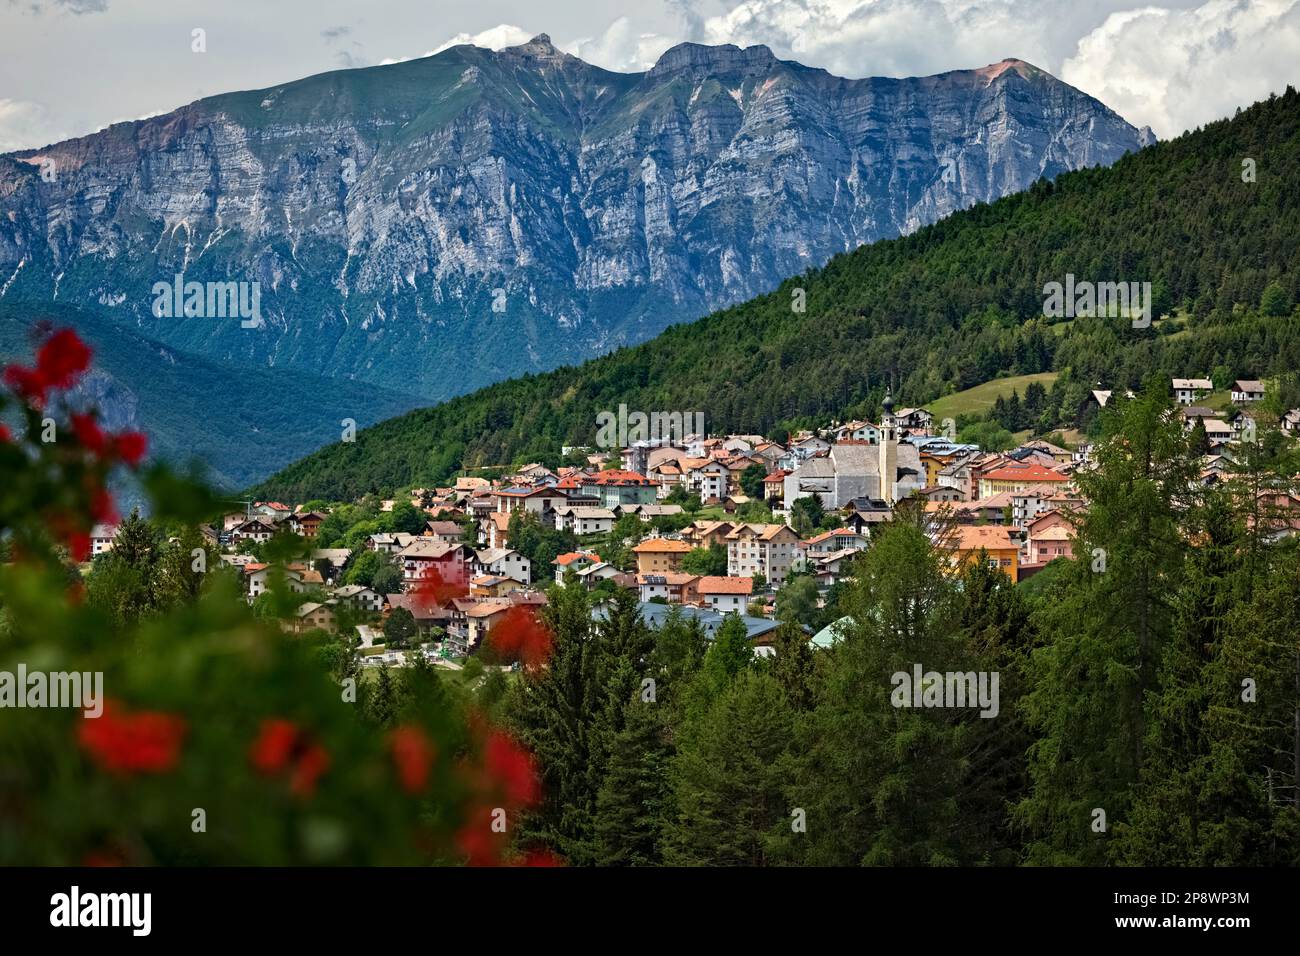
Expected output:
(660, 555)
(1016, 476)
(994, 542)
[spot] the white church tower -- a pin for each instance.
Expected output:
(888, 450)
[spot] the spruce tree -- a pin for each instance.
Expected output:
(792, 667)
(550, 711)
(634, 794)
(1104, 636)
(729, 774)
(878, 781)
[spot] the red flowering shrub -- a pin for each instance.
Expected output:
(144, 742)
(67, 487)
(206, 706)
(512, 768)
(413, 755)
(520, 636)
(282, 748)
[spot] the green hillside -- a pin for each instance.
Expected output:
(250, 420)
(950, 307)
(979, 400)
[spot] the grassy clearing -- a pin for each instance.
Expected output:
(980, 399)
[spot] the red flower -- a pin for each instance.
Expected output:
(101, 507)
(312, 763)
(5, 434)
(512, 767)
(280, 746)
(88, 432)
(413, 755)
(477, 840)
(62, 359)
(144, 742)
(79, 546)
(519, 635)
(273, 748)
(130, 447)
(27, 383)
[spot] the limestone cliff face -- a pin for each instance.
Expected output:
(441, 223)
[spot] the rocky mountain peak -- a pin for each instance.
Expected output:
(724, 59)
(539, 48)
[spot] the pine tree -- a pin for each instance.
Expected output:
(634, 795)
(792, 668)
(177, 581)
(123, 582)
(995, 628)
(1177, 796)
(877, 781)
(1105, 634)
(551, 713)
(729, 778)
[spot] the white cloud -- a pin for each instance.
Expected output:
(899, 37)
(497, 38)
(1178, 69)
(622, 47)
(24, 125)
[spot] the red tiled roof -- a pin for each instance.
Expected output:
(565, 560)
(662, 545)
(618, 476)
(725, 585)
(1023, 472)
(989, 537)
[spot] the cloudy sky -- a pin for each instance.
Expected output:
(69, 67)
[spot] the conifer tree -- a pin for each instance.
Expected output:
(551, 712)
(634, 795)
(878, 781)
(730, 778)
(792, 668)
(1104, 636)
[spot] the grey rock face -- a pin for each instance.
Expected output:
(438, 224)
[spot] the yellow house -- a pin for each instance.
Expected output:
(657, 555)
(1018, 476)
(933, 465)
(1000, 549)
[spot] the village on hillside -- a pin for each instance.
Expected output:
(712, 525)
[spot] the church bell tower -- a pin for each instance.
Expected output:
(888, 450)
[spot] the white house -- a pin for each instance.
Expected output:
(1247, 390)
(426, 559)
(360, 596)
(254, 529)
(101, 538)
(505, 562)
(725, 595)
(1189, 390)
(583, 520)
(574, 560)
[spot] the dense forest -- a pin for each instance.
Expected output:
(1148, 698)
(1211, 220)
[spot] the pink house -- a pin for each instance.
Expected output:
(1048, 538)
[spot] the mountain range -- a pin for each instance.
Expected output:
(431, 226)
(1211, 219)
